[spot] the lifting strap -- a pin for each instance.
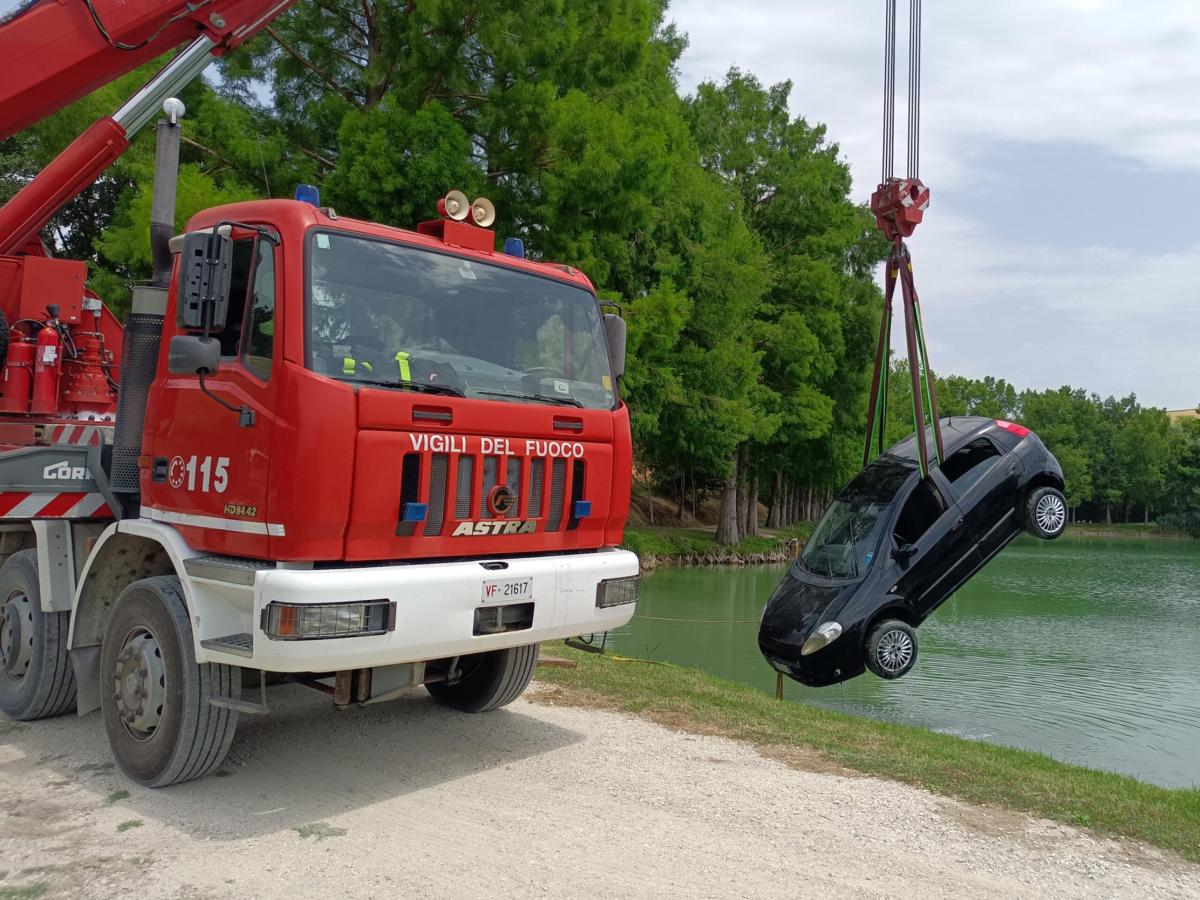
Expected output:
(899, 205)
(924, 394)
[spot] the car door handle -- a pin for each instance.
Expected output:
(957, 524)
(1012, 469)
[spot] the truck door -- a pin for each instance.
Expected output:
(210, 473)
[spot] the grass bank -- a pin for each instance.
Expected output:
(667, 544)
(1130, 530)
(807, 736)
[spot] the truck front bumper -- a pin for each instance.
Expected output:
(435, 608)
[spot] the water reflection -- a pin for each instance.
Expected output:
(1086, 650)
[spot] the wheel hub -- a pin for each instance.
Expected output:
(1051, 514)
(16, 636)
(139, 684)
(895, 651)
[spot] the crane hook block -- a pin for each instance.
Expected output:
(898, 205)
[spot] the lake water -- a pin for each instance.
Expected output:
(1087, 650)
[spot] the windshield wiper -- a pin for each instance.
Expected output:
(536, 398)
(419, 386)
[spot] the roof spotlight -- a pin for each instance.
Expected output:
(454, 205)
(483, 212)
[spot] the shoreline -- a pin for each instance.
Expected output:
(808, 737)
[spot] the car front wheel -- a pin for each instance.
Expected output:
(891, 649)
(1046, 513)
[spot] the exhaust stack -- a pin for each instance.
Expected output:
(143, 330)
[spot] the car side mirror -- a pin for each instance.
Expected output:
(189, 354)
(904, 552)
(205, 266)
(616, 331)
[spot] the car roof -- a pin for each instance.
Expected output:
(956, 431)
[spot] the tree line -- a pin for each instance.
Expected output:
(1122, 462)
(722, 224)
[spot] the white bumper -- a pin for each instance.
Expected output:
(435, 608)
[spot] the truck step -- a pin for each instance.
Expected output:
(237, 644)
(230, 569)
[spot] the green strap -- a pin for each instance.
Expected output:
(405, 370)
(350, 365)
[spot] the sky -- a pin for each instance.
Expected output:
(1061, 143)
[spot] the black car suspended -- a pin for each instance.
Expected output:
(893, 546)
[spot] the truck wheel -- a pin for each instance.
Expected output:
(1046, 513)
(153, 694)
(891, 649)
(36, 679)
(488, 680)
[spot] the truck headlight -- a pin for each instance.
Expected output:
(317, 621)
(824, 635)
(617, 592)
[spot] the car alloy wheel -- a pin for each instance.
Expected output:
(895, 651)
(1051, 513)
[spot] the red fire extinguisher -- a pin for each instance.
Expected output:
(17, 384)
(47, 366)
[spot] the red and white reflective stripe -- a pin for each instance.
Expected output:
(78, 435)
(53, 505)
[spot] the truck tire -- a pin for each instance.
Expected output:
(36, 678)
(153, 694)
(488, 680)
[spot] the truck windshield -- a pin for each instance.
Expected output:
(385, 313)
(845, 541)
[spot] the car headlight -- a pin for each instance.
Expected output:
(824, 635)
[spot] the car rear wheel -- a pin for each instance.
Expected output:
(1046, 513)
(487, 680)
(891, 648)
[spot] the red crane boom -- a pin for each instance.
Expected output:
(55, 51)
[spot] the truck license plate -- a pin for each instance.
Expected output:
(505, 590)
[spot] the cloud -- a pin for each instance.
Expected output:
(1061, 139)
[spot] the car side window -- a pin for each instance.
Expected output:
(967, 465)
(258, 338)
(924, 507)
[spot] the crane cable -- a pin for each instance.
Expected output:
(118, 45)
(899, 206)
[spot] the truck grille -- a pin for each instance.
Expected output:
(455, 488)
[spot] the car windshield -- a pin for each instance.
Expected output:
(845, 541)
(387, 314)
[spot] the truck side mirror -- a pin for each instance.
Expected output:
(616, 330)
(205, 267)
(188, 354)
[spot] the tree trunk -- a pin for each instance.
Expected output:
(680, 494)
(727, 522)
(1107, 512)
(752, 507)
(774, 512)
(743, 485)
(650, 485)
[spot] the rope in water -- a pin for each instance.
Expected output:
(700, 621)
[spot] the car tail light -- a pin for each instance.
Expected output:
(617, 592)
(319, 621)
(1018, 430)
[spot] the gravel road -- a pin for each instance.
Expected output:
(407, 799)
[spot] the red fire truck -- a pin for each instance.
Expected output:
(363, 457)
